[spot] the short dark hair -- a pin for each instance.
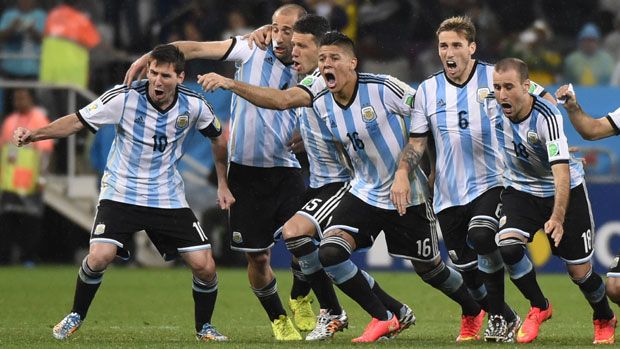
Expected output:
(338, 39)
(513, 64)
(312, 24)
(168, 53)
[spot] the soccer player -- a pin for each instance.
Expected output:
(329, 173)
(545, 189)
(141, 188)
(264, 176)
(366, 113)
(468, 165)
(593, 129)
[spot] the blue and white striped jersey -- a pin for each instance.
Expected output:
(468, 161)
(614, 120)
(258, 136)
(142, 164)
(534, 144)
(326, 162)
(373, 132)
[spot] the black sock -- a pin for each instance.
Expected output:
(450, 282)
(269, 299)
(593, 289)
(390, 302)
(307, 254)
(205, 294)
(475, 285)
(323, 289)
(358, 289)
(86, 287)
(528, 285)
(301, 287)
(494, 283)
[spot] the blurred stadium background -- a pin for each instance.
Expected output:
(554, 37)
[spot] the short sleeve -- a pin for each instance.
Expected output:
(239, 51)
(419, 122)
(208, 124)
(614, 120)
(551, 130)
(400, 98)
(536, 89)
(312, 84)
(105, 110)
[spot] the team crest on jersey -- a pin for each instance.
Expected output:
(532, 137)
(182, 121)
(502, 221)
(483, 93)
(368, 114)
(236, 237)
(99, 229)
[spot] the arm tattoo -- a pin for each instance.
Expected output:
(411, 156)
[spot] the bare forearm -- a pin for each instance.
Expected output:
(264, 97)
(220, 155)
(206, 50)
(561, 180)
(587, 126)
(412, 154)
(60, 128)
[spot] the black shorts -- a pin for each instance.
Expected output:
(614, 268)
(321, 202)
(526, 214)
(172, 231)
(454, 222)
(412, 236)
(265, 199)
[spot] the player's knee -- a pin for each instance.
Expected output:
(579, 271)
(258, 259)
(482, 236)
(99, 259)
(291, 230)
(613, 289)
(334, 250)
(512, 250)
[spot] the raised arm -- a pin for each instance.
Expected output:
(588, 127)
(561, 180)
(264, 97)
(213, 50)
(60, 128)
(409, 159)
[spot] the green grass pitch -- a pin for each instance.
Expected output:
(153, 308)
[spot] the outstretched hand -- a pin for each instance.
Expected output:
(22, 136)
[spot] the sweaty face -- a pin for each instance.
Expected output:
(337, 67)
(511, 94)
(305, 53)
(282, 33)
(163, 81)
(455, 54)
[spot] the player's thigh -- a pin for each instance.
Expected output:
(522, 214)
(175, 232)
(577, 244)
(290, 193)
(412, 236)
(454, 222)
(317, 212)
(253, 217)
(201, 262)
(114, 224)
(356, 218)
(487, 207)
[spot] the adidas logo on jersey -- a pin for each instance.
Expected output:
(269, 59)
(441, 103)
(140, 120)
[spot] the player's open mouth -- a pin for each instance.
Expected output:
(296, 65)
(451, 65)
(159, 93)
(507, 107)
(330, 79)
